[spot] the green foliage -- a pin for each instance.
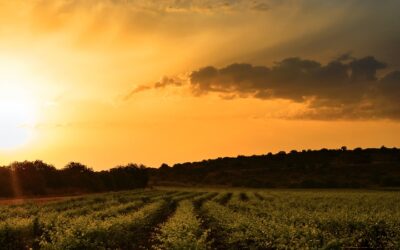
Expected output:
(207, 219)
(16, 233)
(183, 230)
(308, 219)
(122, 231)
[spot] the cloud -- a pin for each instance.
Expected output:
(164, 82)
(165, 6)
(344, 88)
(208, 5)
(261, 6)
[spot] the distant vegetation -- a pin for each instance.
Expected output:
(325, 168)
(38, 178)
(333, 168)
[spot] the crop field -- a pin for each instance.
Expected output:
(207, 219)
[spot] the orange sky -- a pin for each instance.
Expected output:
(67, 68)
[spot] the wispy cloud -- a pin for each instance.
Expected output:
(164, 82)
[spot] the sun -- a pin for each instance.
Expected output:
(18, 103)
(17, 118)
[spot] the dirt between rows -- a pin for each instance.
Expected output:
(21, 200)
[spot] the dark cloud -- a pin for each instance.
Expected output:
(344, 88)
(345, 57)
(365, 69)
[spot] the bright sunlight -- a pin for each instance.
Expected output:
(18, 107)
(17, 118)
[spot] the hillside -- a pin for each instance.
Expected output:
(325, 168)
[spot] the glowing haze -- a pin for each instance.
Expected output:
(110, 82)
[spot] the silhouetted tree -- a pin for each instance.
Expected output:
(39, 178)
(308, 168)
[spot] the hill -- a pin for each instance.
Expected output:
(325, 168)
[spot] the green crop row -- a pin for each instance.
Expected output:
(207, 219)
(303, 220)
(120, 232)
(183, 230)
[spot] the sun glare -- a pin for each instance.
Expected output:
(17, 118)
(18, 108)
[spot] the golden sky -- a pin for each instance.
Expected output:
(108, 82)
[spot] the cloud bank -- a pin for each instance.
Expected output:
(344, 88)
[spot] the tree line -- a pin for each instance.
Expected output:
(324, 168)
(38, 178)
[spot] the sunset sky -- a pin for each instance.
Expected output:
(108, 82)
